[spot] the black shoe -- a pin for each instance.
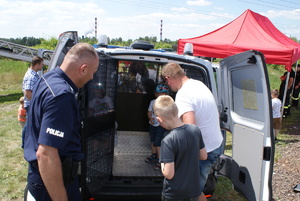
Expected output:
(151, 159)
(157, 166)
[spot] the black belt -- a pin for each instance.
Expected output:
(69, 169)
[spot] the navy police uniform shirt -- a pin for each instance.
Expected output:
(54, 118)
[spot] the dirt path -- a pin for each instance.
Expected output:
(287, 167)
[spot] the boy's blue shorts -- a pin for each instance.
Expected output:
(156, 135)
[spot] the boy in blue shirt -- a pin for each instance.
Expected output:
(156, 132)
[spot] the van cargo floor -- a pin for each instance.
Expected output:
(130, 154)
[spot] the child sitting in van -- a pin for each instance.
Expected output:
(181, 150)
(155, 130)
(22, 113)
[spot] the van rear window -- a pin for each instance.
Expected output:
(138, 77)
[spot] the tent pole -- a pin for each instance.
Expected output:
(285, 90)
(295, 78)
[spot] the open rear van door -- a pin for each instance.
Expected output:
(99, 126)
(247, 114)
(97, 108)
(65, 42)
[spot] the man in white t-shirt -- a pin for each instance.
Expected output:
(197, 106)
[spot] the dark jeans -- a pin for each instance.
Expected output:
(24, 128)
(206, 165)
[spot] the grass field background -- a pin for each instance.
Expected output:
(13, 168)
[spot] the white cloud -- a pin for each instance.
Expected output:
(198, 3)
(50, 18)
(25, 18)
(181, 9)
(288, 14)
(218, 8)
(293, 33)
(223, 15)
(175, 25)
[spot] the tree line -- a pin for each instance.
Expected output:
(52, 42)
(166, 43)
(26, 41)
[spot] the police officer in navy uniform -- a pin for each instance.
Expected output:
(52, 144)
(287, 106)
(296, 91)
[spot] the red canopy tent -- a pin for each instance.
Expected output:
(250, 31)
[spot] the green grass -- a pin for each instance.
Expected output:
(13, 168)
(224, 191)
(274, 73)
(11, 75)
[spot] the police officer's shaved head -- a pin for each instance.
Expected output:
(80, 52)
(80, 63)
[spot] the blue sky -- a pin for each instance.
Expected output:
(131, 19)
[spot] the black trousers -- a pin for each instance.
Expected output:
(36, 188)
(295, 97)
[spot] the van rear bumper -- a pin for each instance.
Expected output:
(130, 189)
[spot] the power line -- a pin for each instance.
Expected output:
(276, 4)
(288, 26)
(264, 5)
(290, 2)
(165, 7)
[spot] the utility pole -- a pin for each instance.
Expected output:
(95, 27)
(161, 30)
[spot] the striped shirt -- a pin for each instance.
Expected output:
(29, 80)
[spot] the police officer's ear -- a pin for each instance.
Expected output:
(83, 68)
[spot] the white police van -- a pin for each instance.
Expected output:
(115, 126)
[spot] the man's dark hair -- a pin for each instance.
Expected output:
(36, 60)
